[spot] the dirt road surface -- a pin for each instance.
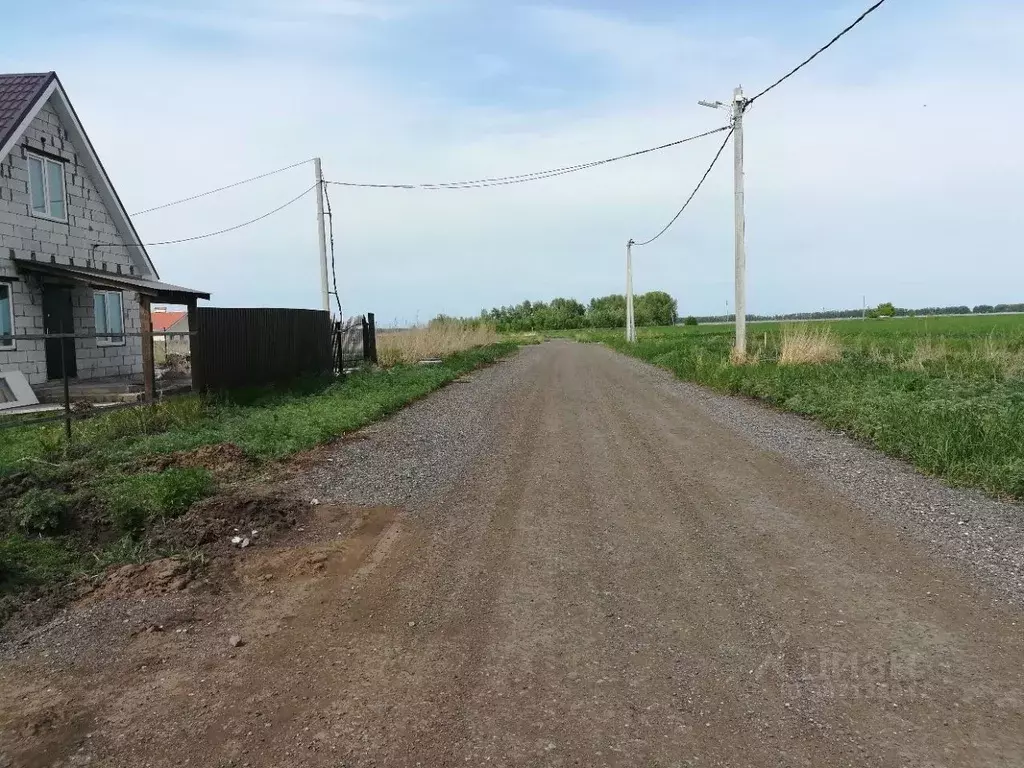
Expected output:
(612, 579)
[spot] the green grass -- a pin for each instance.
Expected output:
(945, 393)
(67, 509)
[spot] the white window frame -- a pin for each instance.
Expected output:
(46, 161)
(10, 344)
(113, 340)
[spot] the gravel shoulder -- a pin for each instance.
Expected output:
(981, 536)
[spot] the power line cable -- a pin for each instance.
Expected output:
(748, 102)
(718, 154)
(209, 234)
(522, 178)
(817, 53)
(572, 168)
(221, 189)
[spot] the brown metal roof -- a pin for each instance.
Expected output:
(18, 94)
(174, 294)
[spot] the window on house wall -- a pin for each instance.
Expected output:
(108, 311)
(6, 316)
(46, 187)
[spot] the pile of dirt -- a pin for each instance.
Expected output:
(158, 577)
(213, 522)
(222, 459)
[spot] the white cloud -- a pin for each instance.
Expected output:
(854, 186)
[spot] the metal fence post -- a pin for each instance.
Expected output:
(366, 339)
(339, 341)
(372, 323)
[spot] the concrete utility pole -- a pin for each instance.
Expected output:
(325, 293)
(630, 320)
(739, 104)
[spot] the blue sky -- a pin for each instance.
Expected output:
(888, 169)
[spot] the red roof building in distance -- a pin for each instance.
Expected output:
(167, 320)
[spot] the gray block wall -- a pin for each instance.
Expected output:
(64, 243)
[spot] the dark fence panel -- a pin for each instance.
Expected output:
(235, 348)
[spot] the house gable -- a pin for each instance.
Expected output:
(98, 231)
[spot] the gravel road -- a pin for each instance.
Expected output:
(571, 559)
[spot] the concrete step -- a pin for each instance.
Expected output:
(99, 393)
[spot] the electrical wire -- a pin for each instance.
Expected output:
(221, 189)
(817, 53)
(522, 178)
(747, 104)
(718, 154)
(209, 234)
(334, 273)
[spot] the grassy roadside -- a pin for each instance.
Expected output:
(947, 397)
(68, 511)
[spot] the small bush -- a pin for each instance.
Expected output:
(129, 514)
(134, 501)
(41, 510)
(179, 489)
(33, 561)
(690, 320)
(50, 440)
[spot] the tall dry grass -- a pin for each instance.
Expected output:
(1006, 359)
(432, 341)
(805, 344)
(992, 356)
(926, 351)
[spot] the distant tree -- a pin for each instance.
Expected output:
(607, 312)
(886, 309)
(690, 320)
(655, 308)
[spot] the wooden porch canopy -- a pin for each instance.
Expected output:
(118, 281)
(148, 290)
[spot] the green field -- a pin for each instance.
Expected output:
(945, 393)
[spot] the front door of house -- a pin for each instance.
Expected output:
(58, 317)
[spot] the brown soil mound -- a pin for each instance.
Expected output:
(156, 578)
(222, 459)
(212, 522)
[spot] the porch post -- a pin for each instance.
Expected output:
(193, 324)
(148, 370)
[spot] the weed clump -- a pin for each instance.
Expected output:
(135, 501)
(808, 345)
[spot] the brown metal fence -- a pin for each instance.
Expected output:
(248, 347)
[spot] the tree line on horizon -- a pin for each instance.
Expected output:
(886, 309)
(652, 308)
(658, 308)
